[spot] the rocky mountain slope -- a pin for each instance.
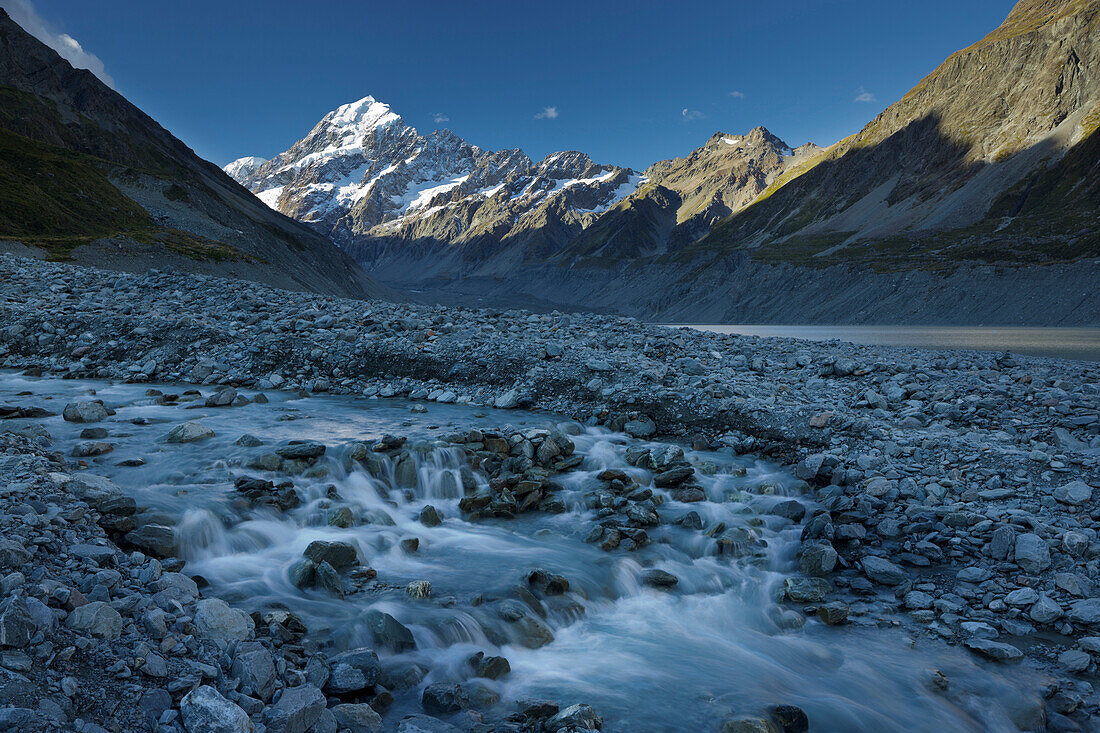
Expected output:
(973, 200)
(88, 177)
(684, 197)
(993, 156)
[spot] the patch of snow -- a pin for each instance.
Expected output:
(490, 192)
(621, 192)
(419, 195)
(731, 140)
(362, 114)
(363, 190)
(271, 196)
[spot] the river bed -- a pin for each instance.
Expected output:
(716, 645)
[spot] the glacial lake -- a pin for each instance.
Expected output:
(1062, 343)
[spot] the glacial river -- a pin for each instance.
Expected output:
(646, 660)
(1062, 343)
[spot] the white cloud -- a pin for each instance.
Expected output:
(439, 118)
(23, 13)
(862, 95)
(691, 114)
(737, 95)
(548, 113)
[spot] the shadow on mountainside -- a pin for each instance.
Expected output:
(1024, 210)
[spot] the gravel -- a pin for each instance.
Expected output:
(955, 490)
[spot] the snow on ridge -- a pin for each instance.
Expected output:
(244, 166)
(633, 181)
(731, 140)
(363, 148)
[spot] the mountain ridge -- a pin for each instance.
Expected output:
(975, 149)
(434, 204)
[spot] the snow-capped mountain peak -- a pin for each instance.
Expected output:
(358, 116)
(361, 167)
(244, 167)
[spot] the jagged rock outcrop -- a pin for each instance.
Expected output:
(684, 197)
(88, 177)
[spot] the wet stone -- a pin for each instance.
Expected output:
(340, 555)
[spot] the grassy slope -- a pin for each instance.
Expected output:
(57, 199)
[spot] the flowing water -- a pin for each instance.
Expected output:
(647, 660)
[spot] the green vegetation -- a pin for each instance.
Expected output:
(57, 200)
(38, 119)
(50, 192)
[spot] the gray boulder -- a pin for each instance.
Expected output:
(507, 401)
(102, 493)
(817, 560)
(1074, 493)
(83, 412)
(189, 432)
(156, 539)
(424, 724)
(363, 659)
(994, 650)
(1085, 612)
(444, 697)
(389, 632)
(640, 427)
(301, 451)
(204, 710)
(883, 571)
(254, 667)
(96, 618)
(357, 718)
(17, 625)
(339, 555)
(12, 554)
(1032, 553)
(298, 710)
(575, 716)
(217, 621)
(222, 398)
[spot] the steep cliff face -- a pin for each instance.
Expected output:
(991, 156)
(86, 176)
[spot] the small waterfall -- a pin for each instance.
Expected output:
(201, 533)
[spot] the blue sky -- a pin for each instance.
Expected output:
(626, 82)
